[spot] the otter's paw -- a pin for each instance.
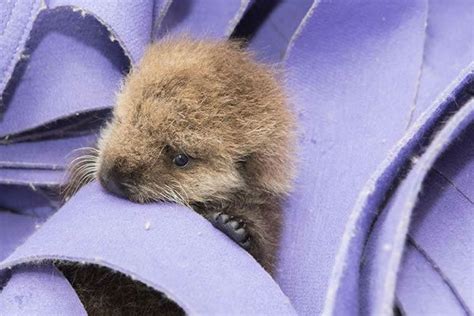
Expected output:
(233, 227)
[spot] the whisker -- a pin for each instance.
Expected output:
(82, 170)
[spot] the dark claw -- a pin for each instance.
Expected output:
(236, 225)
(220, 217)
(215, 216)
(224, 218)
(246, 243)
(233, 227)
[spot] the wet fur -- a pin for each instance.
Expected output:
(214, 102)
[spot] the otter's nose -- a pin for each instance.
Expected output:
(111, 180)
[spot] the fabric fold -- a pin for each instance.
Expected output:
(449, 48)
(32, 177)
(202, 18)
(64, 49)
(441, 226)
(49, 154)
(387, 241)
(14, 230)
(39, 290)
(16, 22)
(345, 274)
(419, 285)
(170, 248)
(128, 22)
(351, 85)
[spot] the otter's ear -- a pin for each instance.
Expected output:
(273, 172)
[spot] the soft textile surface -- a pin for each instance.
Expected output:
(14, 230)
(64, 48)
(178, 264)
(52, 154)
(444, 248)
(382, 211)
(27, 200)
(339, 69)
(194, 17)
(420, 285)
(385, 246)
(40, 290)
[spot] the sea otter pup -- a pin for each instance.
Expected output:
(201, 123)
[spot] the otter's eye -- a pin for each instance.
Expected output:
(181, 160)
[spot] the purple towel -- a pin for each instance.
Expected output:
(381, 214)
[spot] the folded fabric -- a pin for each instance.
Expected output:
(96, 40)
(194, 17)
(449, 48)
(387, 241)
(441, 227)
(16, 22)
(14, 229)
(39, 290)
(31, 177)
(167, 247)
(269, 26)
(49, 154)
(64, 49)
(352, 86)
(457, 165)
(421, 289)
(36, 202)
(381, 214)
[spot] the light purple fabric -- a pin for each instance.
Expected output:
(370, 81)
(383, 178)
(449, 48)
(421, 290)
(39, 290)
(176, 254)
(16, 22)
(14, 229)
(49, 154)
(351, 85)
(386, 244)
(26, 176)
(442, 227)
(129, 22)
(346, 271)
(273, 35)
(202, 18)
(27, 200)
(457, 165)
(64, 49)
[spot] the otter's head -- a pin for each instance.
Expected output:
(196, 121)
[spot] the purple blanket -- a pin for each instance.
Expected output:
(381, 218)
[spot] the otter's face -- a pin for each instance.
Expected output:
(196, 122)
(146, 165)
(159, 147)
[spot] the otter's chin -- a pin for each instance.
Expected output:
(142, 199)
(121, 192)
(138, 198)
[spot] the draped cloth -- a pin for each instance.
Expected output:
(381, 215)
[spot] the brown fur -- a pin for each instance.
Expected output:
(212, 101)
(104, 292)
